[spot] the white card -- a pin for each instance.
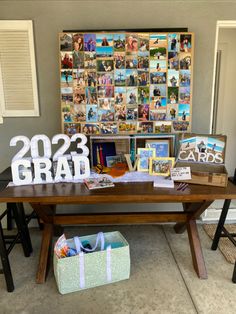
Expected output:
(181, 173)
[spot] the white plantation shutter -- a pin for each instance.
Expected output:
(18, 83)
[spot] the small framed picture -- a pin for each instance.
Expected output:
(159, 166)
(162, 147)
(145, 154)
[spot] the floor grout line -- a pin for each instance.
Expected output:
(181, 274)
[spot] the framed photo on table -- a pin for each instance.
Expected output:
(162, 147)
(144, 156)
(161, 166)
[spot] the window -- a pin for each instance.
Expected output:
(18, 82)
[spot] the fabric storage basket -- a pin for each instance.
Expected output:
(87, 270)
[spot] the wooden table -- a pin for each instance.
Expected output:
(44, 198)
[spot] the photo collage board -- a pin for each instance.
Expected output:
(126, 83)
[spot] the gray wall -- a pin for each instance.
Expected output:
(51, 17)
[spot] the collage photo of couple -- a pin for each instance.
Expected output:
(134, 82)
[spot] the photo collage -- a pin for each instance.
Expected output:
(126, 83)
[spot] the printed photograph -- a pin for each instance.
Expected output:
(158, 65)
(65, 42)
(104, 52)
(113, 160)
(185, 42)
(120, 95)
(188, 144)
(119, 42)
(131, 95)
(120, 112)
(131, 61)
(79, 78)
(172, 111)
(106, 115)
(120, 77)
(161, 166)
(80, 113)
(162, 127)
(185, 61)
(90, 128)
(158, 40)
(201, 144)
(89, 42)
(66, 89)
(109, 128)
(173, 60)
(173, 78)
(105, 65)
(143, 42)
(160, 115)
(153, 115)
(104, 40)
(90, 60)
(66, 60)
(131, 77)
(184, 78)
(143, 62)
(131, 112)
(119, 60)
(66, 78)
(78, 42)
(144, 156)
(143, 78)
(66, 99)
(158, 53)
(79, 96)
(173, 95)
(106, 103)
(105, 78)
(145, 127)
(127, 127)
(91, 113)
(173, 42)
(215, 145)
(105, 91)
(68, 117)
(143, 95)
(184, 95)
(161, 147)
(143, 112)
(90, 78)
(131, 43)
(71, 128)
(91, 95)
(183, 112)
(158, 78)
(158, 103)
(158, 90)
(78, 59)
(181, 126)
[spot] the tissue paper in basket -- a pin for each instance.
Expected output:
(94, 268)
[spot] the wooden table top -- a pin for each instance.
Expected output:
(69, 193)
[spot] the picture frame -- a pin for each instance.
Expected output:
(130, 78)
(144, 156)
(161, 166)
(162, 147)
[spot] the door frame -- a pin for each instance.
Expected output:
(219, 24)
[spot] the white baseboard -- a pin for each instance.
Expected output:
(212, 215)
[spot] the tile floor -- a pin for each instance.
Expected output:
(162, 279)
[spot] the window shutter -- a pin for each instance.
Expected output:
(18, 83)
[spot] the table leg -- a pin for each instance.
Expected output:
(19, 214)
(194, 210)
(196, 250)
(220, 224)
(5, 262)
(44, 253)
(46, 214)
